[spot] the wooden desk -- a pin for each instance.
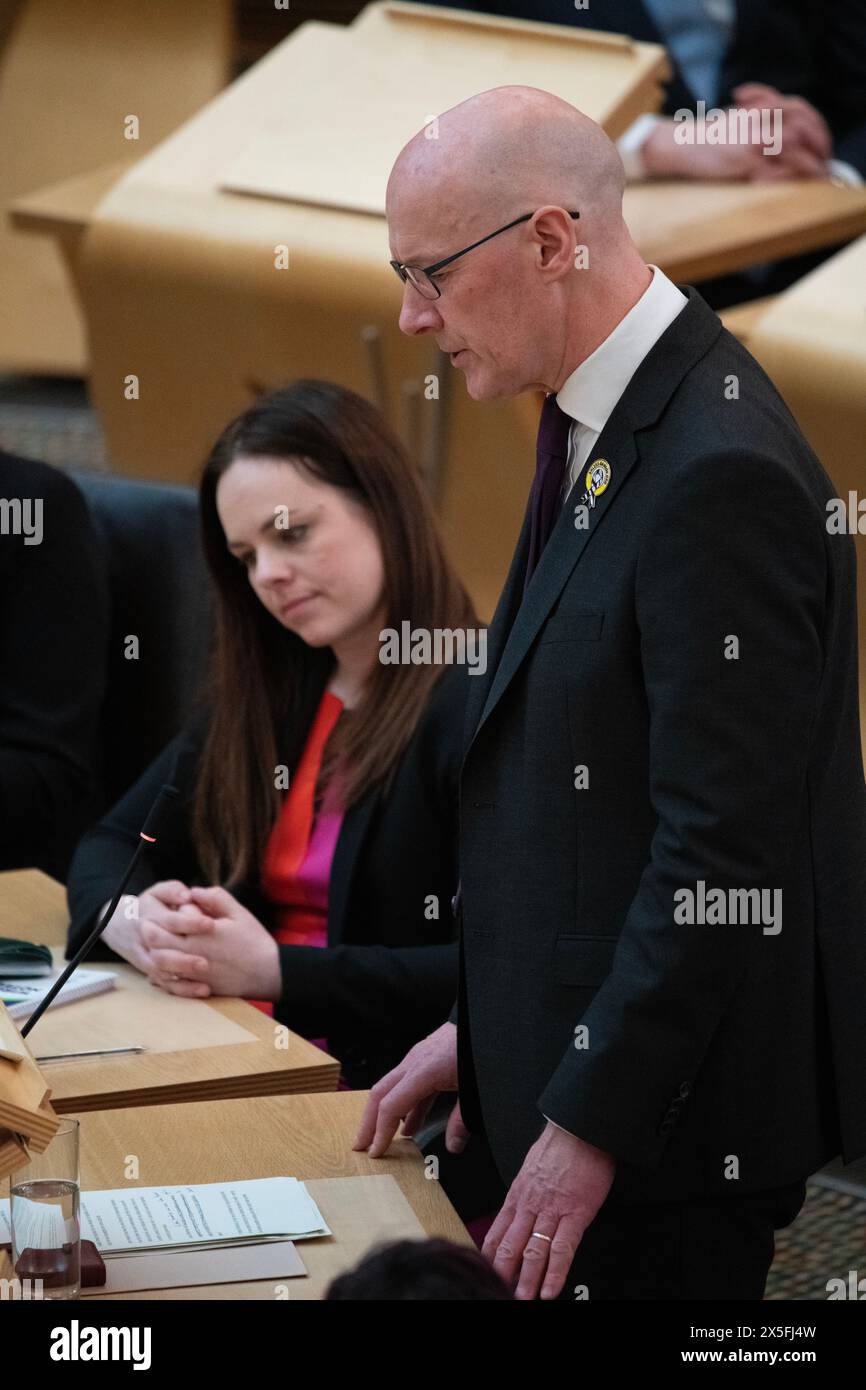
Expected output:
(64, 210)
(696, 231)
(235, 1049)
(307, 1137)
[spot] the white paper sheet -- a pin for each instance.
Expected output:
(205, 1215)
(179, 1269)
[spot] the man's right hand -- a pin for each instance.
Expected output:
(407, 1093)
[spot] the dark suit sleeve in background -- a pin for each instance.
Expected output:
(53, 640)
(843, 100)
(816, 54)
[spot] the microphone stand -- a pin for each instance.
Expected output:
(147, 836)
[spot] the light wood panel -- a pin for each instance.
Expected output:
(742, 319)
(70, 76)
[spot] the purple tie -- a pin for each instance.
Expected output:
(551, 455)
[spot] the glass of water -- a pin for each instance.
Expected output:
(44, 1210)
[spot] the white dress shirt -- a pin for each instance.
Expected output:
(593, 389)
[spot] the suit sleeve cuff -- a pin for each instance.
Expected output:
(556, 1126)
(841, 172)
(630, 144)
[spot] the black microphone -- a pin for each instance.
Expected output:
(148, 835)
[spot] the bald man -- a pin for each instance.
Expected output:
(659, 1030)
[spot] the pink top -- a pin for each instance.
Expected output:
(296, 868)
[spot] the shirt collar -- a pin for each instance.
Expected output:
(593, 389)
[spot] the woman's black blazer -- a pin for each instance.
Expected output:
(388, 975)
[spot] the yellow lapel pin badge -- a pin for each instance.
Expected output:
(597, 479)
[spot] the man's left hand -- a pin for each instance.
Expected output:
(557, 1193)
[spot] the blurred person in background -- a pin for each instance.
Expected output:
(808, 63)
(54, 641)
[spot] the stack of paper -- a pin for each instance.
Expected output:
(207, 1216)
(125, 1221)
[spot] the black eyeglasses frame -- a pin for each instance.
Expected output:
(401, 268)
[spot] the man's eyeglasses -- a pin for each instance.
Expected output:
(420, 277)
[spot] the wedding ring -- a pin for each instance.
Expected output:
(541, 1236)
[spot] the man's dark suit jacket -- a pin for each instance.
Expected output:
(388, 974)
(709, 1046)
(816, 52)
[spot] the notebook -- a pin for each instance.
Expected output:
(22, 997)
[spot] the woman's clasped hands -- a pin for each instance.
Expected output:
(196, 942)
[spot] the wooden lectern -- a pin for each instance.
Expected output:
(27, 1120)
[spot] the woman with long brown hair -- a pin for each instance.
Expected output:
(312, 858)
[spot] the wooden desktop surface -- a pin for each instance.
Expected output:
(307, 1137)
(197, 1049)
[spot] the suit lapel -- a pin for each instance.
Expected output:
(497, 633)
(516, 624)
(559, 557)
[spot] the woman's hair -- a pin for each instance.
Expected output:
(265, 682)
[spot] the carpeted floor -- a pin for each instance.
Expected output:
(827, 1240)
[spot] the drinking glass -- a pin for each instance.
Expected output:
(46, 1231)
